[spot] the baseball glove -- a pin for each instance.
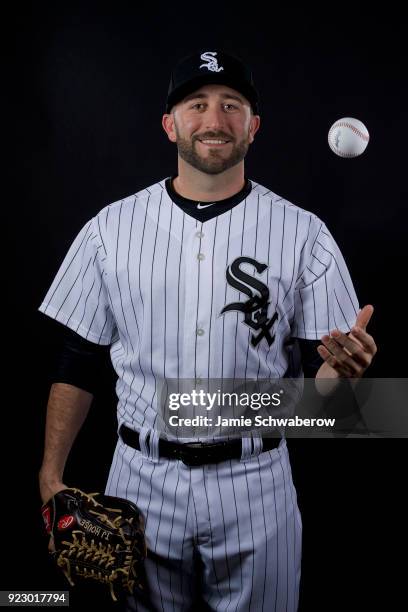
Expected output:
(102, 539)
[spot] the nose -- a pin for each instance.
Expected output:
(214, 118)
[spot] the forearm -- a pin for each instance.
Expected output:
(67, 409)
(327, 381)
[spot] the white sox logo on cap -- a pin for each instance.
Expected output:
(212, 64)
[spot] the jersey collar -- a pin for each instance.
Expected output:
(203, 211)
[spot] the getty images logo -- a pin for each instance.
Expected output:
(212, 62)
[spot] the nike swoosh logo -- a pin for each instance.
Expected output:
(200, 206)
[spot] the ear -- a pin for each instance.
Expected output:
(254, 125)
(168, 126)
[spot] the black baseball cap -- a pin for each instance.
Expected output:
(211, 67)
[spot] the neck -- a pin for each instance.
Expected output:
(196, 185)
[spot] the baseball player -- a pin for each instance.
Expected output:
(204, 274)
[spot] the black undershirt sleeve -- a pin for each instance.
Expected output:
(80, 362)
(311, 360)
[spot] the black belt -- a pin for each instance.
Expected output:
(196, 453)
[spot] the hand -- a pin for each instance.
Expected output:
(348, 356)
(49, 488)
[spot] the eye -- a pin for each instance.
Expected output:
(230, 106)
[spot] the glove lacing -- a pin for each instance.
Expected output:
(103, 555)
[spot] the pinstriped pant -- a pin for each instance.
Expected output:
(234, 526)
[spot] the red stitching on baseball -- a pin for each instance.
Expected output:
(352, 127)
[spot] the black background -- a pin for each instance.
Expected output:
(87, 89)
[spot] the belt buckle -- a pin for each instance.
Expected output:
(188, 458)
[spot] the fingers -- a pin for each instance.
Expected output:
(337, 358)
(366, 340)
(350, 355)
(364, 316)
(353, 347)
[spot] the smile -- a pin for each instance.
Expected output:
(214, 143)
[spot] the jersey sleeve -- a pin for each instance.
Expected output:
(78, 296)
(325, 298)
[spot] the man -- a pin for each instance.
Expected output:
(203, 275)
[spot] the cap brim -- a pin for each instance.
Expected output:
(183, 90)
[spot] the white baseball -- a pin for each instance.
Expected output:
(348, 137)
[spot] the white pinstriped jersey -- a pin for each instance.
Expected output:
(152, 281)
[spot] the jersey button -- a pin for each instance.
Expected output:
(200, 332)
(199, 235)
(200, 256)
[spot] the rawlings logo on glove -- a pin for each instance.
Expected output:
(102, 539)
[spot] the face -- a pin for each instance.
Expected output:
(212, 113)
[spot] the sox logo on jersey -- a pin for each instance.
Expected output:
(256, 308)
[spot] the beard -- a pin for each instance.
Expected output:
(215, 162)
